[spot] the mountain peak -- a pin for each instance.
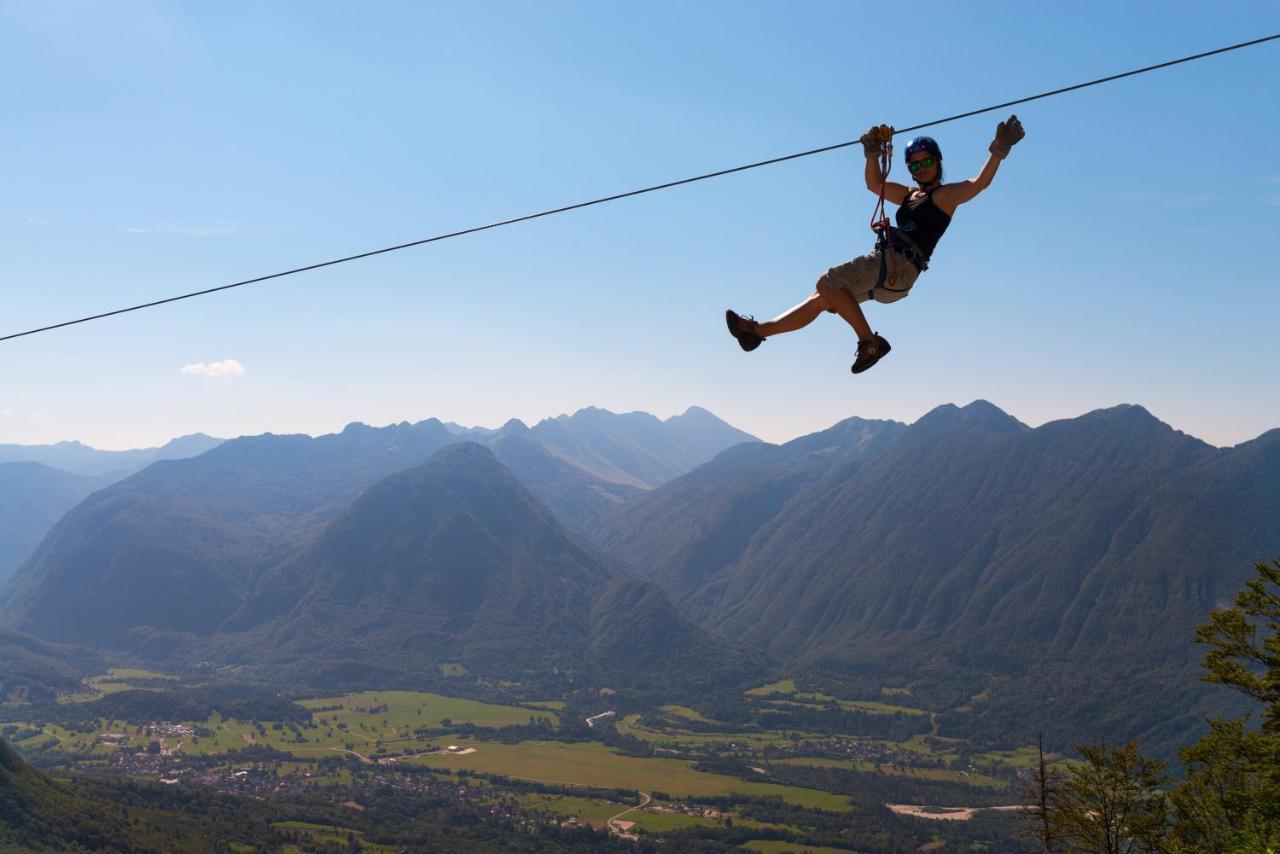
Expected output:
(980, 414)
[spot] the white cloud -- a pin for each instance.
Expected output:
(226, 369)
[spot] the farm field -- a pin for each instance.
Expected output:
(952, 775)
(593, 764)
(331, 835)
(115, 679)
(409, 709)
(774, 847)
(633, 725)
(359, 723)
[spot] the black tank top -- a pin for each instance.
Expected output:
(922, 221)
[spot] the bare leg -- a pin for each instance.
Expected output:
(846, 305)
(797, 318)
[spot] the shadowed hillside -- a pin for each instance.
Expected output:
(456, 561)
(32, 498)
(1070, 563)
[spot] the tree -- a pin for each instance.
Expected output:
(1243, 657)
(1113, 803)
(1042, 803)
(1230, 801)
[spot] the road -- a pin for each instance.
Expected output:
(591, 721)
(644, 802)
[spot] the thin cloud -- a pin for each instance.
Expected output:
(226, 369)
(185, 230)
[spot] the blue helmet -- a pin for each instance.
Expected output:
(923, 143)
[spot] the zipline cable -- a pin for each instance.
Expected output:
(631, 193)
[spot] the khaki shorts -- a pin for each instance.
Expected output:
(859, 276)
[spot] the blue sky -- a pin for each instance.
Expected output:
(1126, 252)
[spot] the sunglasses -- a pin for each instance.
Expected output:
(923, 163)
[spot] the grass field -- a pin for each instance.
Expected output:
(687, 713)
(409, 709)
(115, 679)
(331, 834)
(362, 723)
(785, 686)
(586, 810)
(592, 764)
(873, 706)
(773, 847)
(948, 774)
(662, 822)
(634, 726)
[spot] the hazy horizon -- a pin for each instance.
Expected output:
(533, 420)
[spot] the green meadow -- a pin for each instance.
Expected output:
(411, 709)
(593, 764)
(949, 774)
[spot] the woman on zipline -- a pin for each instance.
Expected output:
(923, 215)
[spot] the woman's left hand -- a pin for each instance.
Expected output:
(1008, 133)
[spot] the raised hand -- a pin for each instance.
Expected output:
(1008, 133)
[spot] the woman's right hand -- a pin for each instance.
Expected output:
(874, 137)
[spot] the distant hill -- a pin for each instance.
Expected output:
(1063, 568)
(450, 560)
(32, 671)
(454, 560)
(33, 497)
(39, 814)
(579, 500)
(178, 546)
(108, 465)
(684, 532)
(636, 448)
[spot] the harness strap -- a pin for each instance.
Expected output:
(880, 224)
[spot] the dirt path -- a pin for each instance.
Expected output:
(591, 721)
(365, 759)
(644, 802)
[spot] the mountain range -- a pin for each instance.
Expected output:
(195, 534)
(1011, 578)
(1068, 565)
(33, 497)
(109, 466)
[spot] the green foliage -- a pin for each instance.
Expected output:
(1112, 803)
(1230, 800)
(1243, 655)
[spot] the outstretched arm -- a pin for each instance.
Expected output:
(953, 195)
